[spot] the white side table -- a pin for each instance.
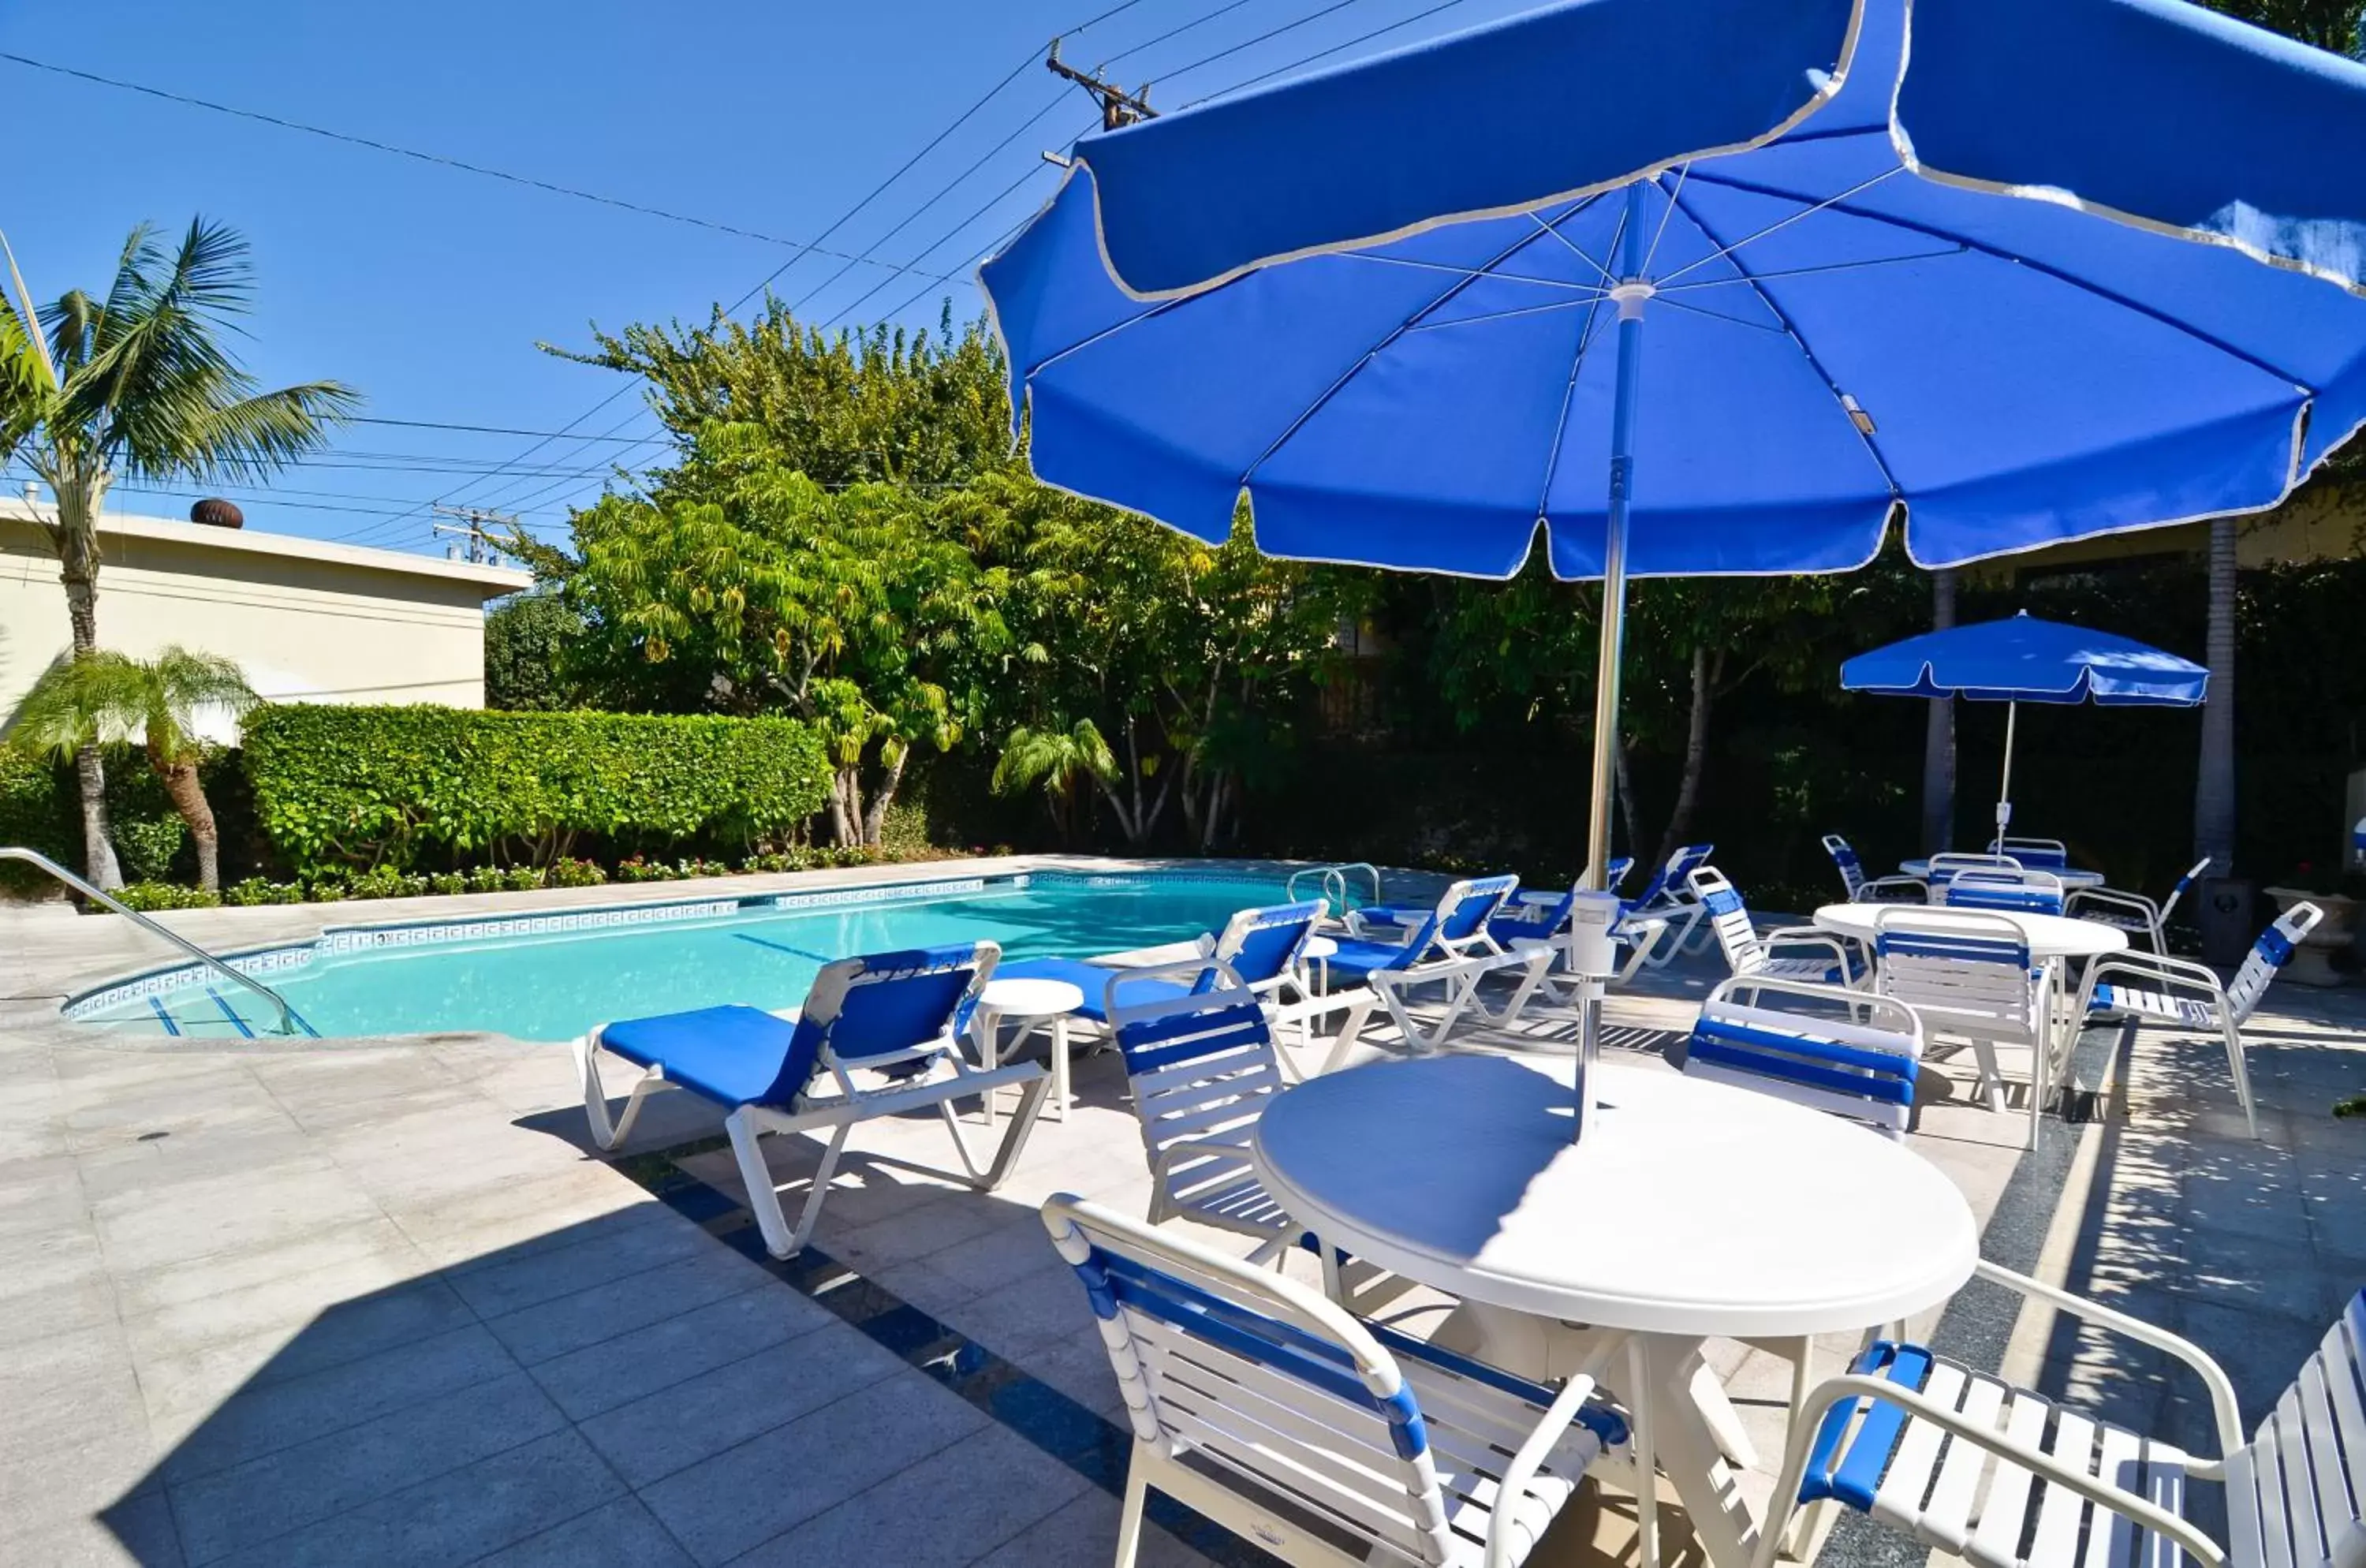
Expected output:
(1030, 1005)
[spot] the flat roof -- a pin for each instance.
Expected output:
(495, 579)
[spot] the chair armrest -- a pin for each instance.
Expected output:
(1875, 891)
(1814, 936)
(2222, 1407)
(1558, 1418)
(2112, 898)
(1807, 1425)
(2154, 966)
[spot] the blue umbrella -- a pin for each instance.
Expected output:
(1402, 305)
(2025, 659)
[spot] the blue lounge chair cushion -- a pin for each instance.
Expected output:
(1093, 980)
(733, 1056)
(1356, 958)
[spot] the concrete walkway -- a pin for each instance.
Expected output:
(371, 1302)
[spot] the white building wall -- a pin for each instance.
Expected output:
(307, 621)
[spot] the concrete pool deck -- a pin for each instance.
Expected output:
(371, 1302)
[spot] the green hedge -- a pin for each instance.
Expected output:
(370, 786)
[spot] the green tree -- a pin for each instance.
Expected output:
(1060, 760)
(529, 644)
(137, 383)
(85, 699)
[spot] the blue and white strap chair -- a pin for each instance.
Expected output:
(2004, 1477)
(1944, 869)
(1794, 953)
(2133, 912)
(2158, 988)
(1449, 948)
(1261, 949)
(795, 1072)
(2015, 892)
(1844, 1052)
(1968, 975)
(2036, 855)
(1322, 1438)
(1532, 916)
(1859, 888)
(1662, 919)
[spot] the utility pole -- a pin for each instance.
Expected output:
(481, 547)
(1119, 108)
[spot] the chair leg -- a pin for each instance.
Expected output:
(1128, 1523)
(764, 1196)
(607, 1134)
(2242, 1072)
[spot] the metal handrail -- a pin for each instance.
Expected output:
(1335, 877)
(43, 862)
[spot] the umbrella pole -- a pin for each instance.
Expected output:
(1629, 292)
(2004, 789)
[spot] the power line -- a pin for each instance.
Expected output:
(1272, 33)
(438, 159)
(500, 430)
(1305, 60)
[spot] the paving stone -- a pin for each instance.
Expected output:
(266, 1417)
(623, 1305)
(267, 1497)
(744, 1497)
(603, 1376)
(622, 1534)
(601, 1254)
(497, 1223)
(137, 1530)
(940, 1513)
(314, 1322)
(184, 1221)
(675, 1428)
(1083, 1534)
(458, 1517)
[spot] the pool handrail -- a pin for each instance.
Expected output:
(1335, 882)
(42, 862)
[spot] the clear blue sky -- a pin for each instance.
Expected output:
(426, 288)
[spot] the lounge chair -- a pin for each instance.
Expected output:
(2177, 990)
(1860, 889)
(1262, 949)
(1666, 915)
(1450, 947)
(2004, 1477)
(899, 1013)
(1319, 1436)
(1793, 952)
(2133, 912)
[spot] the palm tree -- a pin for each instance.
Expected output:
(1938, 736)
(2213, 786)
(84, 699)
(139, 385)
(1061, 761)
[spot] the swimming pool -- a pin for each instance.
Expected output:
(552, 975)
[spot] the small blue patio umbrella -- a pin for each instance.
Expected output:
(2002, 289)
(2024, 660)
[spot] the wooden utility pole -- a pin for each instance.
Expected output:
(1119, 108)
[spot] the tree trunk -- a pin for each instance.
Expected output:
(188, 798)
(874, 820)
(1624, 788)
(845, 822)
(97, 843)
(1939, 736)
(2214, 785)
(75, 538)
(1680, 816)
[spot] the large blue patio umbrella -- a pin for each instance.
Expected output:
(1380, 301)
(2025, 659)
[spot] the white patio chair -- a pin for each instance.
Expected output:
(1793, 952)
(2003, 1477)
(1859, 888)
(1827, 1047)
(2156, 987)
(1994, 887)
(2133, 912)
(1665, 917)
(1322, 1438)
(1967, 976)
(1448, 947)
(794, 1073)
(2035, 854)
(1942, 869)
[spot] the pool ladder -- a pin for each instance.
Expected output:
(1335, 882)
(288, 1025)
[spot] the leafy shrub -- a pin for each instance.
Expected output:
(369, 785)
(263, 890)
(146, 896)
(326, 890)
(385, 882)
(635, 869)
(486, 879)
(521, 879)
(569, 872)
(448, 882)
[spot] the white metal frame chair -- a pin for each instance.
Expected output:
(1976, 1467)
(1967, 974)
(1324, 1439)
(1859, 888)
(1832, 1049)
(1665, 917)
(1994, 887)
(2158, 987)
(1834, 961)
(1450, 947)
(2035, 854)
(1944, 869)
(794, 1072)
(2133, 912)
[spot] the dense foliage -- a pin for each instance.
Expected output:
(403, 787)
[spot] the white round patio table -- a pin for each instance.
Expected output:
(1030, 1005)
(2049, 936)
(2070, 876)
(1689, 1210)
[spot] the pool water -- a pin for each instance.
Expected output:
(554, 985)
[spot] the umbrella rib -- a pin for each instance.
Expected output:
(1790, 329)
(1778, 224)
(1652, 254)
(1393, 334)
(1719, 316)
(1553, 228)
(1585, 341)
(1587, 303)
(1955, 250)
(2234, 351)
(1592, 290)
